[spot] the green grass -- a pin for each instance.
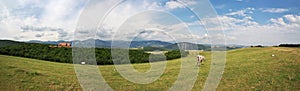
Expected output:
(246, 69)
(256, 69)
(29, 74)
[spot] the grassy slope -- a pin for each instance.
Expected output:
(246, 69)
(256, 69)
(24, 74)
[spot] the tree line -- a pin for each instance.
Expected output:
(102, 55)
(289, 45)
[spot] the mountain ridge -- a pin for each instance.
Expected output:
(157, 44)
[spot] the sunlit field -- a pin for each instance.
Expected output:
(246, 69)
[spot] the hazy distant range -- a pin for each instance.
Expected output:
(141, 44)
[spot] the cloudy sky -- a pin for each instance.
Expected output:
(246, 22)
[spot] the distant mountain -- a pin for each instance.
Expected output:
(116, 44)
(131, 44)
(150, 44)
(102, 43)
(234, 46)
(188, 46)
(46, 42)
(207, 47)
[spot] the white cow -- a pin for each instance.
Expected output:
(200, 59)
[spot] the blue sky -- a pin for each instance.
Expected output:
(246, 22)
(224, 6)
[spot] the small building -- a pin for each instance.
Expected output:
(64, 44)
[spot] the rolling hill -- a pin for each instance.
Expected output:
(4, 43)
(246, 69)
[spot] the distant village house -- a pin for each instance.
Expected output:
(62, 44)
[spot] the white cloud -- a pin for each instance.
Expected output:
(284, 29)
(278, 21)
(151, 5)
(56, 20)
(4, 13)
(179, 4)
(292, 18)
(39, 35)
(145, 27)
(173, 5)
(188, 2)
(274, 10)
(243, 12)
(39, 20)
(286, 19)
(129, 20)
(228, 22)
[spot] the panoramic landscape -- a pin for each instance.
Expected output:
(149, 45)
(251, 68)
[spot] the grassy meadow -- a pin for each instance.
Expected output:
(246, 69)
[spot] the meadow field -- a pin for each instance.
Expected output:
(246, 69)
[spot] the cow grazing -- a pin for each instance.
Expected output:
(200, 59)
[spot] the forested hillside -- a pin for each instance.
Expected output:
(4, 43)
(64, 55)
